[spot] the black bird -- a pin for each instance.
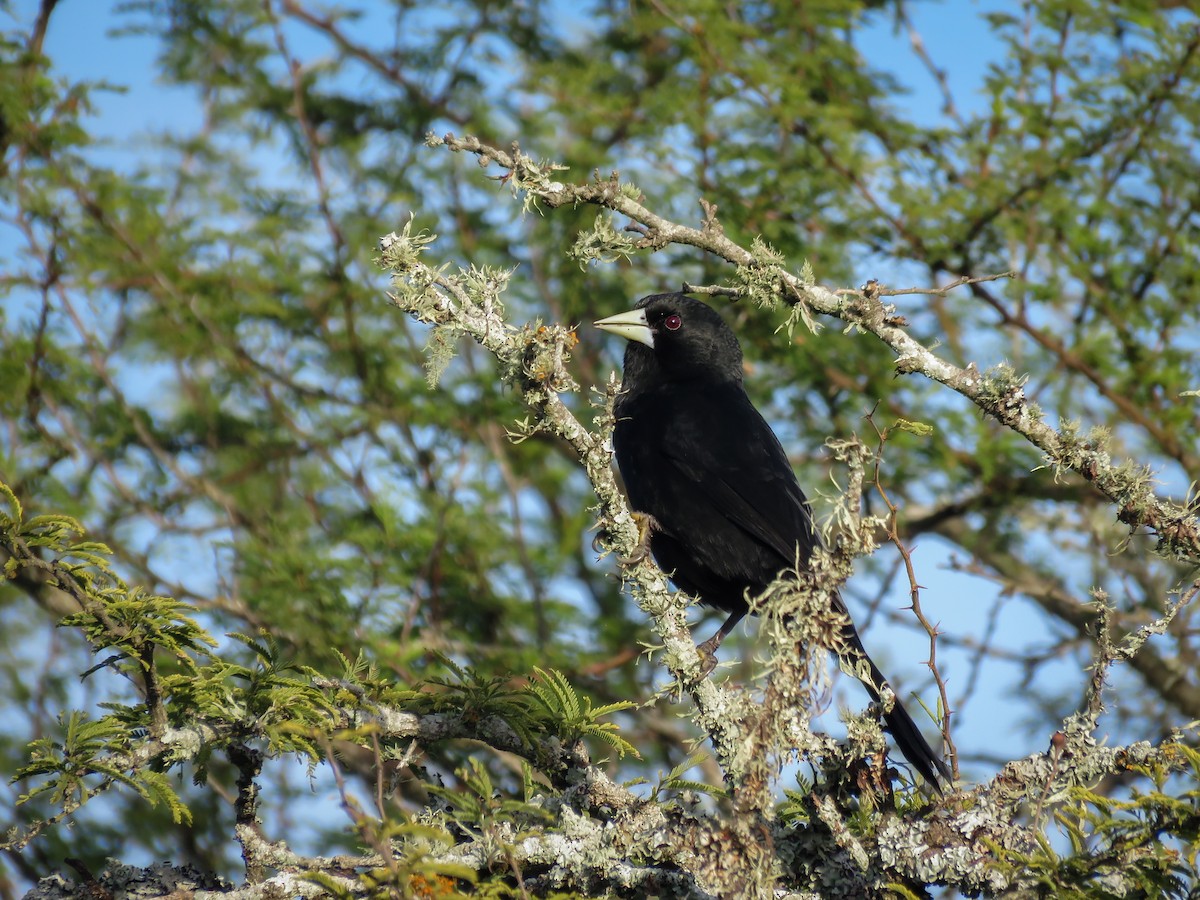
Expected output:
(725, 512)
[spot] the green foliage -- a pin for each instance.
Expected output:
(411, 868)
(278, 704)
(1147, 843)
(571, 715)
(280, 698)
(547, 705)
(93, 748)
(474, 696)
(674, 781)
(795, 810)
(478, 807)
(861, 814)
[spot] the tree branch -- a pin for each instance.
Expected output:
(999, 392)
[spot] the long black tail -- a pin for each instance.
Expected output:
(904, 730)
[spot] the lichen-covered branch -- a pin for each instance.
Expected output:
(752, 740)
(763, 277)
(600, 837)
(533, 358)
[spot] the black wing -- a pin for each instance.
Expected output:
(735, 463)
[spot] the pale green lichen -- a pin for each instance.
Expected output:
(399, 253)
(602, 243)
(439, 350)
(533, 178)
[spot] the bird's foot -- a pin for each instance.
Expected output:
(708, 656)
(646, 524)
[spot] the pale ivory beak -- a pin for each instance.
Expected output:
(630, 325)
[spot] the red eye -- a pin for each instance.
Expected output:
(673, 322)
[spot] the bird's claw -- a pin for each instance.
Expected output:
(708, 657)
(646, 524)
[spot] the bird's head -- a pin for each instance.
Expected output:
(674, 336)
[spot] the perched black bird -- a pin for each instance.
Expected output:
(726, 514)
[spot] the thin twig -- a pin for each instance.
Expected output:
(893, 534)
(945, 289)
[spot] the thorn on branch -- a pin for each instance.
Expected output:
(711, 225)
